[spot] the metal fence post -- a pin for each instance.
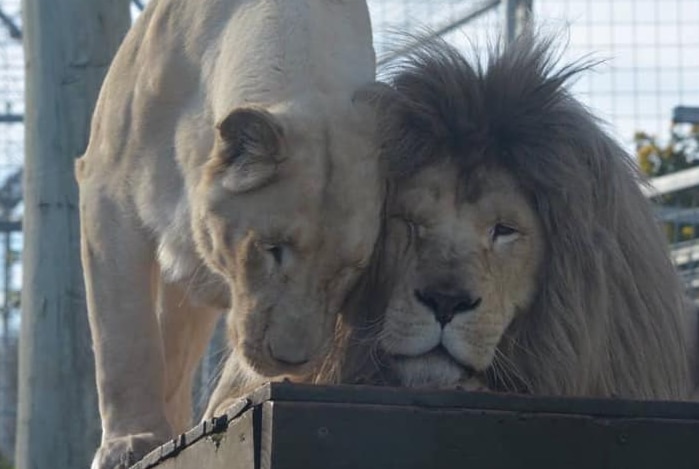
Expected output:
(517, 17)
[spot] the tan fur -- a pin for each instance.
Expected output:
(450, 248)
(227, 148)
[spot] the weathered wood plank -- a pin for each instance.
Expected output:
(354, 394)
(363, 427)
(343, 436)
(211, 430)
(232, 448)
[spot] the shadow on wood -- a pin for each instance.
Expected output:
(285, 426)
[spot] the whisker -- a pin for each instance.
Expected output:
(516, 343)
(512, 370)
(190, 282)
(502, 374)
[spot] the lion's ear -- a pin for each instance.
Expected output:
(409, 134)
(251, 148)
(375, 94)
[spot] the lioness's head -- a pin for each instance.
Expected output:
(470, 247)
(290, 205)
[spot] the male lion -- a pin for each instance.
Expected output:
(228, 167)
(522, 252)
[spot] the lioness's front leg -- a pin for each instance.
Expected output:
(235, 381)
(186, 328)
(118, 262)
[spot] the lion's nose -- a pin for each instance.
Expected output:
(446, 305)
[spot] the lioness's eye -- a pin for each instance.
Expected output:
(501, 230)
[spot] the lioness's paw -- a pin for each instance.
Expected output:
(123, 452)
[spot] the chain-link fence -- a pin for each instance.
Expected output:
(11, 155)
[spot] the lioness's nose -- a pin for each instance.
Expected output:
(446, 305)
(288, 353)
(292, 342)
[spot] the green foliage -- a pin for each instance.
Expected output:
(657, 159)
(681, 152)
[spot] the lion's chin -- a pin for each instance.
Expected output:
(437, 369)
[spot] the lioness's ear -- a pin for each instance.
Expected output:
(252, 144)
(251, 132)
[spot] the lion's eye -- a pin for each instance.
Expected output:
(276, 251)
(503, 232)
(412, 227)
(415, 230)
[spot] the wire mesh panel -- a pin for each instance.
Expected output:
(11, 155)
(11, 89)
(649, 48)
(459, 21)
(652, 53)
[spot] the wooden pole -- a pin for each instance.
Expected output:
(68, 46)
(518, 15)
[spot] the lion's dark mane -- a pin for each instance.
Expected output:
(609, 318)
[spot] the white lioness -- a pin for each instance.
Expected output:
(228, 167)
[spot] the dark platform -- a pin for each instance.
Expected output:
(285, 426)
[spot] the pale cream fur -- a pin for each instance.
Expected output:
(450, 244)
(223, 170)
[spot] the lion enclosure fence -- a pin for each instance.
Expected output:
(651, 49)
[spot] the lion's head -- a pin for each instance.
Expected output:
(522, 252)
(472, 247)
(289, 211)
